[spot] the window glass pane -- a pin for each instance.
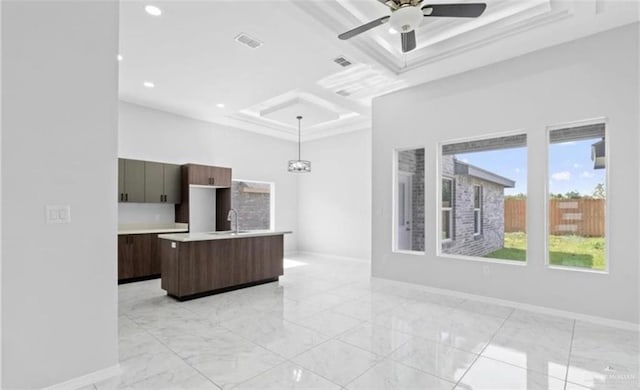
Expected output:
(447, 195)
(446, 224)
(487, 215)
(577, 197)
(252, 201)
(409, 198)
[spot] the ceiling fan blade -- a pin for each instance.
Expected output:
(408, 41)
(467, 10)
(364, 27)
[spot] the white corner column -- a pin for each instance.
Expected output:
(59, 148)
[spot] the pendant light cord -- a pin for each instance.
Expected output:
(299, 118)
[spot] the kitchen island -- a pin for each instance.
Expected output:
(198, 264)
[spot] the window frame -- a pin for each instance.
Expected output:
(477, 211)
(450, 209)
(607, 212)
(438, 179)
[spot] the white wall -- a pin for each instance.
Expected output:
(148, 134)
(334, 215)
(592, 77)
(59, 128)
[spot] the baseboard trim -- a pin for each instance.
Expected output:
(86, 380)
(330, 256)
(528, 307)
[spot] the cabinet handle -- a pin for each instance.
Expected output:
(164, 198)
(126, 197)
(121, 197)
(161, 198)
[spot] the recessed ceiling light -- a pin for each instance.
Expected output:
(148, 84)
(392, 30)
(119, 57)
(153, 10)
(220, 105)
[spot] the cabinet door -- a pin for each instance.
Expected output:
(153, 182)
(172, 183)
(134, 180)
(120, 180)
(154, 254)
(125, 264)
(199, 175)
(221, 176)
(141, 254)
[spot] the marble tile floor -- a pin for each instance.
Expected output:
(328, 325)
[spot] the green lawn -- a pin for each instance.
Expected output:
(574, 251)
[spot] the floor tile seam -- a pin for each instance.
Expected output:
(482, 350)
(262, 372)
(184, 360)
(376, 362)
(257, 375)
(426, 372)
(566, 373)
(522, 368)
(475, 357)
(383, 356)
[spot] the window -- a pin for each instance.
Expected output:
(447, 209)
(484, 201)
(254, 202)
(408, 221)
(477, 210)
(577, 197)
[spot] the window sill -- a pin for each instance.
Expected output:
(405, 252)
(577, 269)
(483, 259)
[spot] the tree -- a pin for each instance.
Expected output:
(572, 195)
(599, 191)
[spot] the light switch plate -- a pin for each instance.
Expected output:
(58, 214)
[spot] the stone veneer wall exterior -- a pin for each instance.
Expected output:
(491, 238)
(254, 208)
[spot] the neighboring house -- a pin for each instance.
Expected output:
(472, 208)
(411, 162)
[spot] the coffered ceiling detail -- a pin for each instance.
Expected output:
(194, 56)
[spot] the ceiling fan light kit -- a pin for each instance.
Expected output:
(406, 16)
(406, 19)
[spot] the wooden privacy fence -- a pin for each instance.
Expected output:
(581, 217)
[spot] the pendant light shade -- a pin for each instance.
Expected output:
(299, 166)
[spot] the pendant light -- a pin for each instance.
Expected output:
(299, 166)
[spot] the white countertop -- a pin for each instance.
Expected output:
(151, 228)
(205, 236)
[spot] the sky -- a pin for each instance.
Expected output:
(570, 167)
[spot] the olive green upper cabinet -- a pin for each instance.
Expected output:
(130, 180)
(172, 183)
(162, 183)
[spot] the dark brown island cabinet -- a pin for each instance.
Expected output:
(199, 264)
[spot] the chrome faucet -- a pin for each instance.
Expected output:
(235, 214)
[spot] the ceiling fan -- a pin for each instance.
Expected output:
(406, 16)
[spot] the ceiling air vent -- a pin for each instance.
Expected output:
(342, 61)
(248, 41)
